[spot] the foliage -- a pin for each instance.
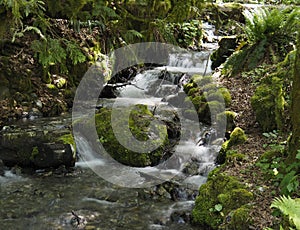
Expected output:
(275, 168)
(55, 51)
(289, 207)
(268, 38)
(49, 52)
(23, 8)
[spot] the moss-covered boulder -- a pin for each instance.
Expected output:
(139, 126)
(237, 137)
(208, 99)
(238, 219)
(220, 197)
(269, 104)
(229, 118)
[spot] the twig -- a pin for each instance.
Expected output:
(77, 218)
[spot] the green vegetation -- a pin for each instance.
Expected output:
(221, 198)
(289, 207)
(54, 42)
(268, 34)
(139, 124)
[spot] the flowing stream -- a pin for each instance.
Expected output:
(45, 200)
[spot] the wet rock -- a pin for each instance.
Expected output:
(227, 46)
(2, 168)
(176, 100)
(53, 155)
(191, 168)
(35, 145)
(180, 217)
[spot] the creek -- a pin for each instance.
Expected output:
(46, 199)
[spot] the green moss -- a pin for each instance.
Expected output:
(204, 81)
(198, 101)
(269, 155)
(268, 103)
(239, 218)
(215, 107)
(68, 139)
(226, 95)
(214, 96)
(34, 153)
(139, 121)
(219, 189)
(235, 198)
(194, 92)
(209, 87)
(187, 87)
(233, 156)
(190, 114)
(228, 117)
(236, 137)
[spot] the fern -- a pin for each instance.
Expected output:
(131, 35)
(74, 52)
(49, 52)
(261, 23)
(28, 28)
(290, 207)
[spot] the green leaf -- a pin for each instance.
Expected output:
(290, 207)
(218, 207)
(298, 155)
(74, 52)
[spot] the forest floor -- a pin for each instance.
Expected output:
(246, 171)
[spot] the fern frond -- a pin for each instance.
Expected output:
(49, 52)
(131, 35)
(290, 207)
(74, 53)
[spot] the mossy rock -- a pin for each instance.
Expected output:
(222, 190)
(232, 156)
(187, 87)
(236, 137)
(235, 198)
(228, 117)
(209, 87)
(215, 96)
(194, 91)
(190, 114)
(226, 96)
(204, 81)
(67, 139)
(268, 104)
(198, 101)
(239, 218)
(139, 121)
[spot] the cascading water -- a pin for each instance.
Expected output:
(46, 200)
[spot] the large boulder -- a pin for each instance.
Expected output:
(36, 146)
(133, 136)
(222, 200)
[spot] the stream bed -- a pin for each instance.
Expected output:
(78, 198)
